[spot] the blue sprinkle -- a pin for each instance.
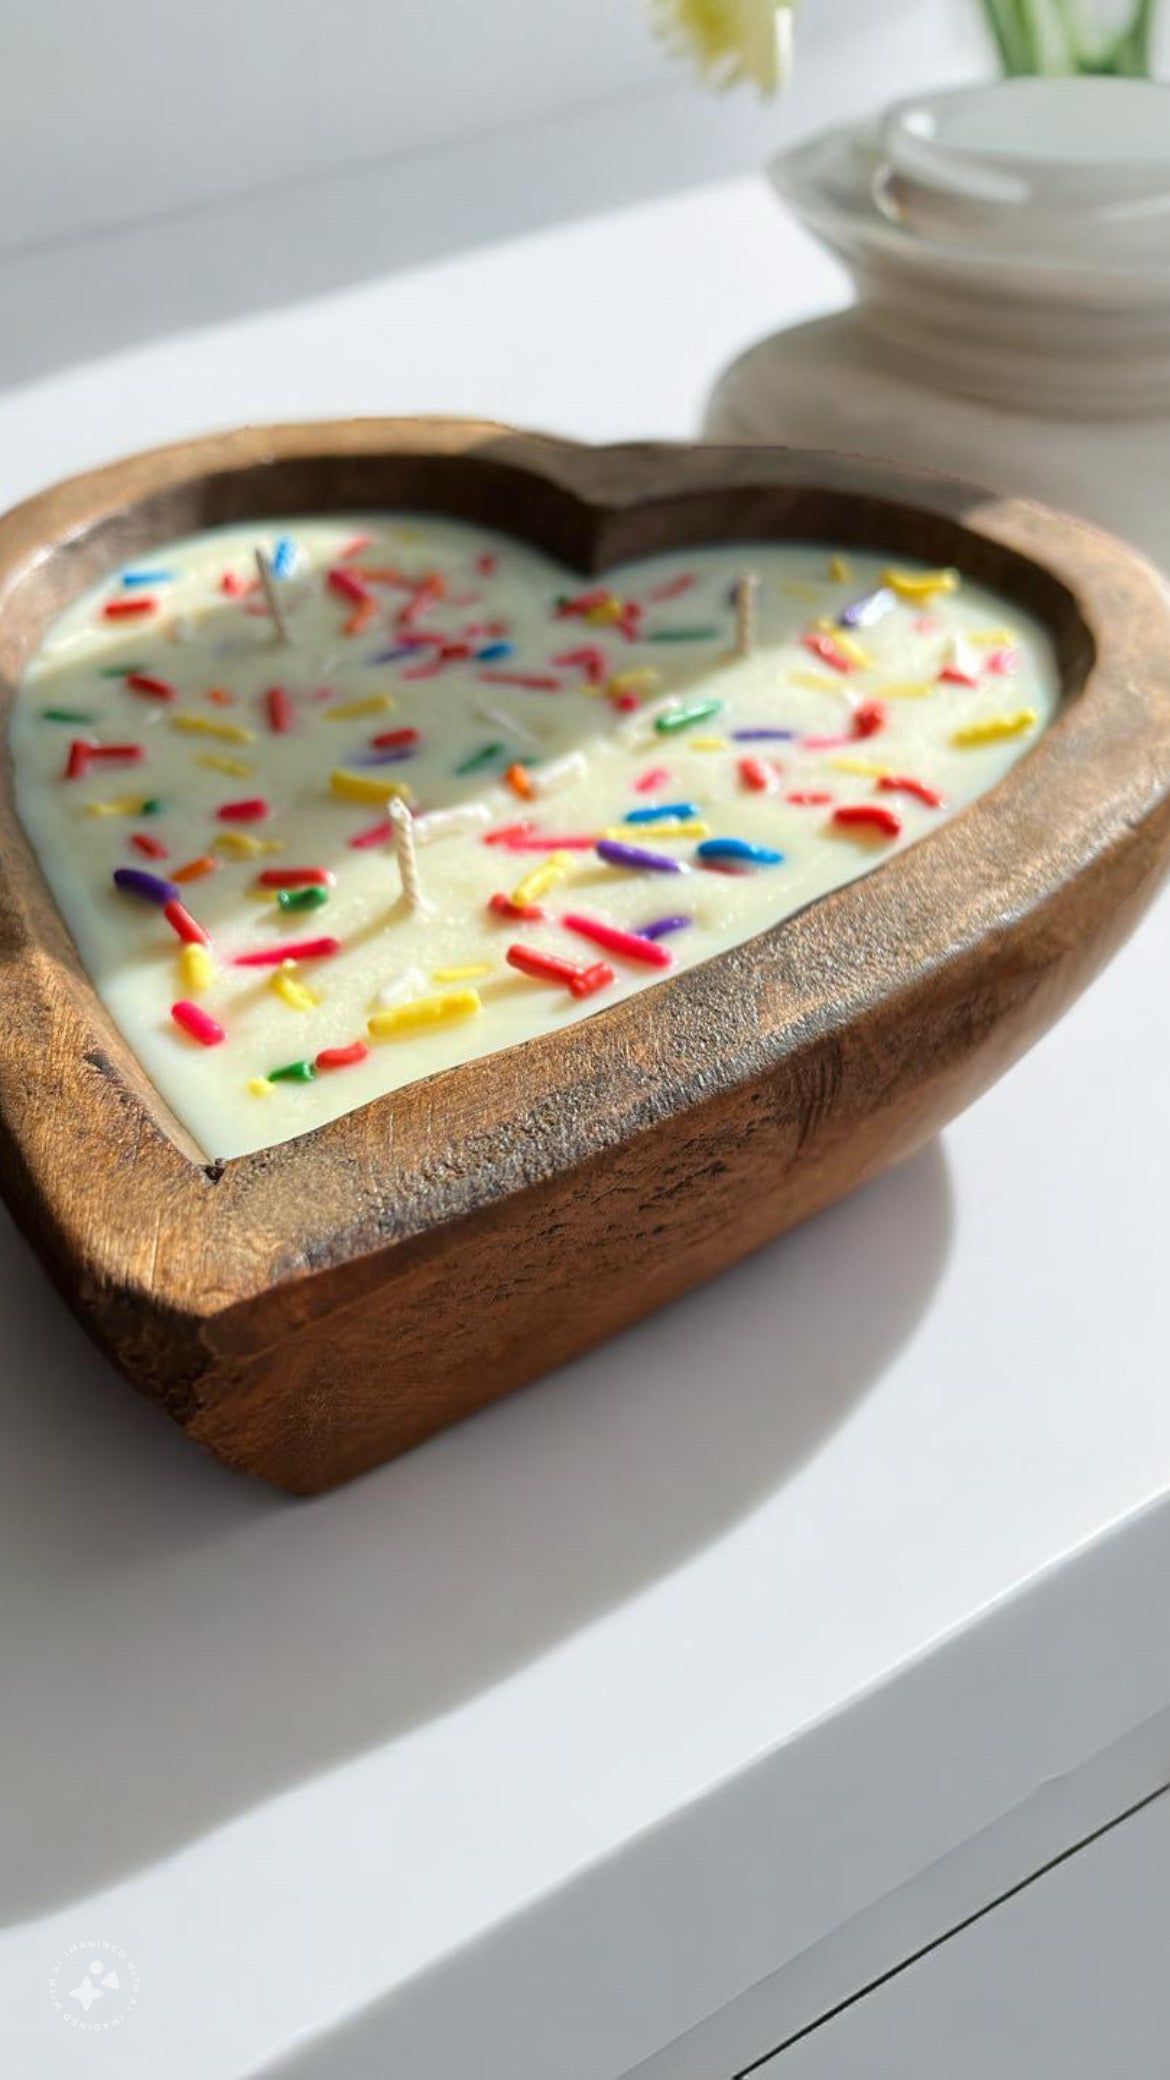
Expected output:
(146, 577)
(758, 736)
(494, 650)
(739, 848)
(659, 810)
(283, 560)
(389, 755)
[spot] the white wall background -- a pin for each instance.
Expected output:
(112, 110)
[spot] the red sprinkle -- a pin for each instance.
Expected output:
(870, 816)
(348, 585)
(295, 877)
(589, 660)
(392, 739)
(181, 921)
(671, 587)
(629, 945)
(758, 773)
(822, 645)
(146, 682)
(129, 609)
(279, 710)
(503, 906)
(654, 776)
(199, 1024)
(251, 810)
(342, 1057)
(548, 967)
(81, 751)
(374, 834)
(541, 682)
(288, 950)
(868, 718)
(232, 585)
(151, 848)
(507, 833)
(901, 783)
(485, 564)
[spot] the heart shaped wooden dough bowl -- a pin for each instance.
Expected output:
(312, 1309)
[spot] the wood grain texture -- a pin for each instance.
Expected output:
(310, 1310)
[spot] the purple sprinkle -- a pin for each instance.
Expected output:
(863, 612)
(392, 656)
(759, 736)
(661, 926)
(389, 755)
(134, 881)
(618, 855)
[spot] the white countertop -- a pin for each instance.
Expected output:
(526, 1753)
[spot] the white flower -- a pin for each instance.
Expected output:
(730, 40)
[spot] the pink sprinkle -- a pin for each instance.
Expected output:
(348, 584)
(630, 945)
(232, 585)
(288, 950)
(181, 922)
(354, 546)
(654, 776)
(342, 1057)
(485, 563)
(279, 710)
(199, 1024)
(1003, 661)
(809, 797)
(541, 682)
(374, 834)
(537, 841)
(589, 660)
(825, 743)
(671, 587)
(925, 624)
(506, 833)
(822, 645)
(902, 783)
(251, 810)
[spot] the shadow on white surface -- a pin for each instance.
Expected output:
(229, 1643)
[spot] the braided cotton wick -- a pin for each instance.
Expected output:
(746, 589)
(404, 852)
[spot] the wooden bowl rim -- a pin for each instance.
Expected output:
(101, 1168)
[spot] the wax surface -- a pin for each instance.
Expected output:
(463, 669)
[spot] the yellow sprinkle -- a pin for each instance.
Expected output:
(852, 649)
(642, 680)
(467, 974)
(990, 638)
(122, 805)
(196, 968)
(242, 845)
(799, 588)
(865, 768)
(670, 827)
(204, 726)
(706, 743)
(916, 586)
(367, 787)
(814, 682)
(907, 690)
(295, 994)
(424, 1011)
(259, 1086)
(540, 878)
(995, 726)
(840, 570)
(605, 610)
(216, 762)
(369, 704)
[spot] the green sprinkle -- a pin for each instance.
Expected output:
(302, 898)
(121, 671)
(66, 715)
(685, 718)
(151, 806)
(681, 635)
(293, 1072)
(480, 758)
